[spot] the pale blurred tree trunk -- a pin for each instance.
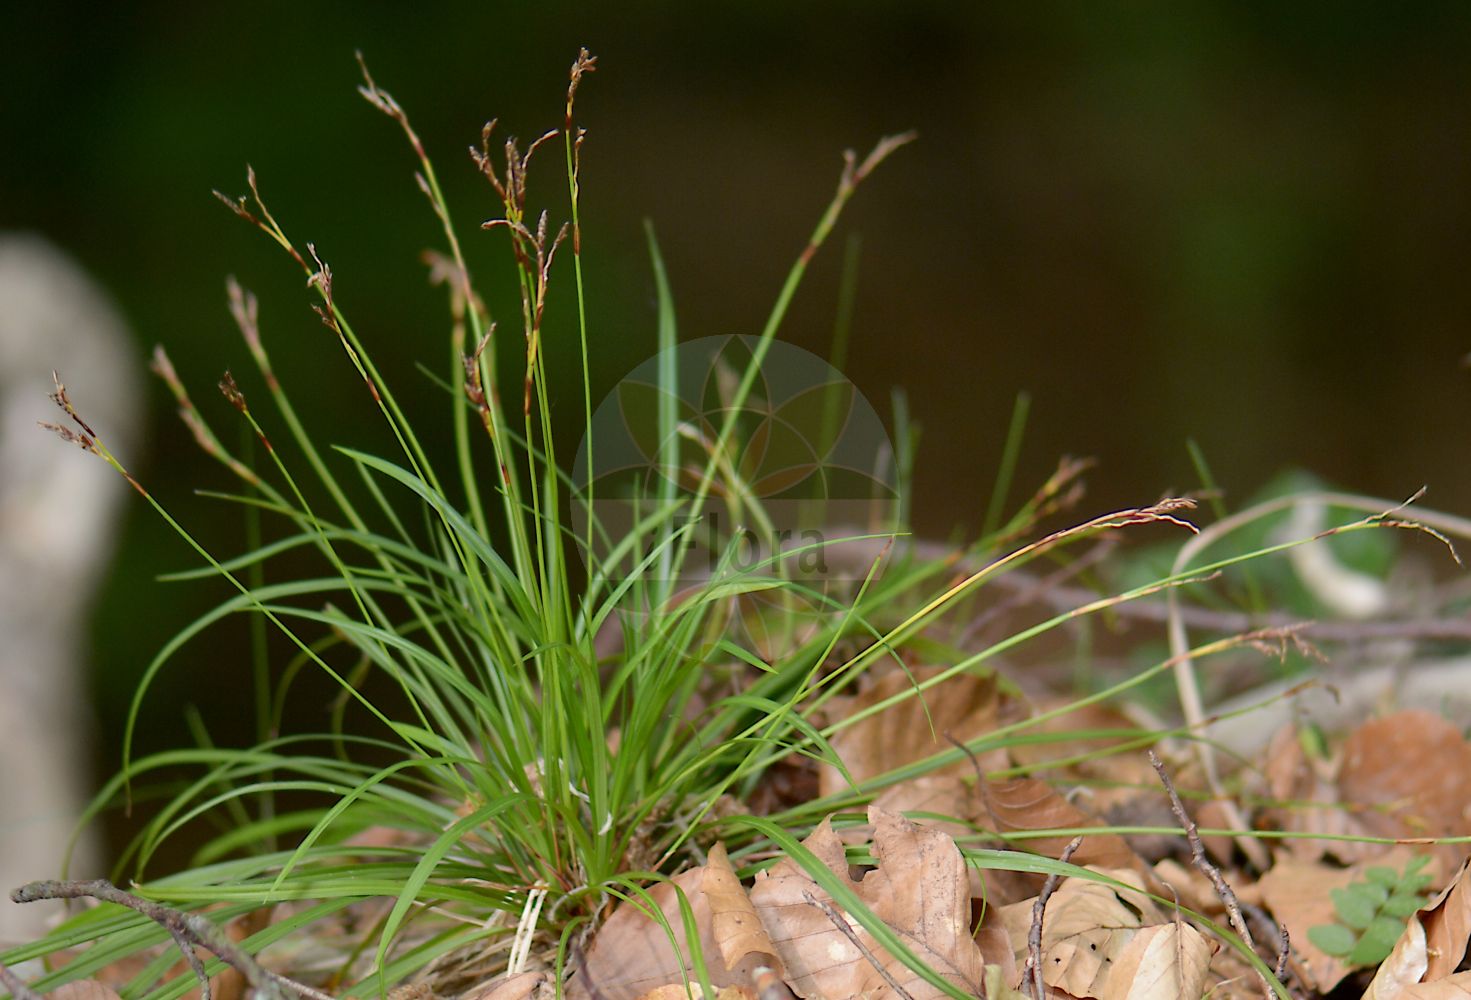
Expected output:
(58, 518)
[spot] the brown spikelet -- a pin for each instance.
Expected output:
(232, 392)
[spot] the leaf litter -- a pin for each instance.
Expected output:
(1122, 922)
(1141, 927)
(1131, 917)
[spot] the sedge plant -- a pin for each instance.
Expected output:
(560, 776)
(547, 716)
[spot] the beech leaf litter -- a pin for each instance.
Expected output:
(1130, 917)
(879, 904)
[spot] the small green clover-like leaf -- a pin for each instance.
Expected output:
(1372, 891)
(1355, 907)
(1415, 880)
(1387, 877)
(1378, 941)
(1333, 939)
(1372, 913)
(1402, 904)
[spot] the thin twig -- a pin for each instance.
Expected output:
(1042, 590)
(975, 761)
(1198, 857)
(186, 928)
(1284, 952)
(1212, 620)
(1269, 927)
(578, 965)
(1203, 864)
(1034, 936)
(191, 958)
(847, 932)
(18, 989)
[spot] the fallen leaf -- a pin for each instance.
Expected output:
(919, 889)
(993, 888)
(1232, 977)
(1447, 923)
(1085, 929)
(677, 991)
(963, 708)
(631, 953)
(1020, 805)
(1220, 815)
(999, 985)
(1122, 786)
(995, 945)
(1457, 987)
(1292, 776)
(83, 989)
(735, 924)
(1297, 894)
(521, 986)
(1091, 753)
(1190, 887)
(943, 795)
(1163, 962)
(1404, 775)
(1431, 948)
(1404, 967)
(936, 796)
(1411, 771)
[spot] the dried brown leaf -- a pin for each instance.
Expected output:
(995, 945)
(919, 889)
(1297, 893)
(1085, 929)
(83, 989)
(963, 708)
(1403, 969)
(940, 794)
(1294, 777)
(1189, 886)
(735, 924)
(1091, 751)
(1431, 948)
(1412, 770)
(631, 954)
(1000, 985)
(678, 991)
(1163, 962)
(521, 986)
(1404, 775)
(1447, 922)
(1457, 987)
(1024, 804)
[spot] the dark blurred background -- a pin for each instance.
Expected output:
(1244, 223)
